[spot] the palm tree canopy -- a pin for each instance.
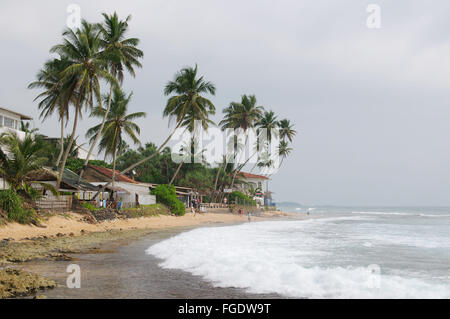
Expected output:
(20, 157)
(283, 149)
(57, 93)
(87, 64)
(118, 123)
(119, 51)
(187, 104)
(244, 114)
(287, 130)
(268, 122)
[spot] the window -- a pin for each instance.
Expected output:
(260, 185)
(1, 120)
(9, 122)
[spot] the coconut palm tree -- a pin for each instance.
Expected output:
(286, 130)
(20, 157)
(269, 123)
(56, 96)
(188, 89)
(119, 53)
(245, 115)
(86, 70)
(118, 123)
(283, 150)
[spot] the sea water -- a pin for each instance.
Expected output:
(336, 253)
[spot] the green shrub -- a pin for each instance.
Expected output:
(167, 196)
(12, 204)
(241, 198)
(90, 206)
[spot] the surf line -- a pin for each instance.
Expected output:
(189, 309)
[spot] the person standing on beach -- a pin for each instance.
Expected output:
(249, 215)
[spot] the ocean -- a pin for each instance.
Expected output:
(352, 252)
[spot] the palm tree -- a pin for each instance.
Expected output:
(26, 127)
(118, 123)
(187, 88)
(245, 115)
(119, 53)
(86, 70)
(57, 95)
(20, 158)
(283, 150)
(269, 123)
(286, 130)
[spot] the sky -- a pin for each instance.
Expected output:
(371, 106)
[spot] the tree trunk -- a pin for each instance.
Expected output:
(144, 159)
(99, 133)
(238, 168)
(67, 151)
(114, 167)
(213, 196)
(61, 143)
(176, 173)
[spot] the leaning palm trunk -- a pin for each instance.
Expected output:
(142, 160)
(114, 168)
(176, 173)
(238, 168)
(214, 195)
(99, 133)
(61, 143)
(67, 151)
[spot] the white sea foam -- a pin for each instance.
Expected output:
(289, 258)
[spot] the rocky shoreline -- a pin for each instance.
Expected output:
(62, 242)
(18, 283)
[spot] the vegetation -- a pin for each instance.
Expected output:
(76, 164)
(241, 199)
(20, 158)
(166, 195)
(117, 124)
(12, 205)
(94, 59)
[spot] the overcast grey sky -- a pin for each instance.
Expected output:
(371, 106)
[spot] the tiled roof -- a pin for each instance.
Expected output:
(249, 175)
(109, 172)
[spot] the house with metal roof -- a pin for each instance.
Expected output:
(130, 192)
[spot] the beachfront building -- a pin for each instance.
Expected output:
(128, 191)
(10, 122)
(248, 181)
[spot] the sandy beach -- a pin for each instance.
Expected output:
(73, 223)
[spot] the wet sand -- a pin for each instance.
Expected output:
(122, 270)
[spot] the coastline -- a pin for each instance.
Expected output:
(66, 240)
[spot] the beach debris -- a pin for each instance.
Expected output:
(104, 214)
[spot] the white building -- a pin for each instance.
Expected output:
(258, 182)
(10, 121)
